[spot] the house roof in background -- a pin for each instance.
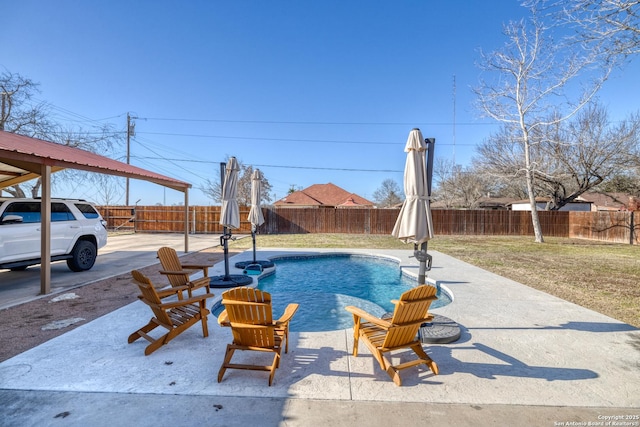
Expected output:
(495, 201)
(608, 201)
(323, 195)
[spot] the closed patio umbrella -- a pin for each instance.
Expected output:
(255, 213)
(229, 218)
(256, 219)
(230, 213)
(414, 223)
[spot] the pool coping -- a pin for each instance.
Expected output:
(407, 270)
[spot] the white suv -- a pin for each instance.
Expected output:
(77, 232)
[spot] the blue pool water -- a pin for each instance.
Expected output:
(324, 285)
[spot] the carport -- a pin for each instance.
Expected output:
(23, 158)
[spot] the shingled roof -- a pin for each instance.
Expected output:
(323, 195)
(609, 201)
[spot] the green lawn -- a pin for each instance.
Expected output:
(604, 277)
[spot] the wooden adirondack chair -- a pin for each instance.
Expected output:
(249, 313)
(175, 316)
(180, 274)
(400, 332)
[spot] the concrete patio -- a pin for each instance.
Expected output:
(524, 357)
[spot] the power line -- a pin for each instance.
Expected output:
(281, 139)
(285, 122)
(71, 115)
(330, 169)
(274, 166)
(272, 139)
(171, 161)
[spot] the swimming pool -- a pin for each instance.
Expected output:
(324, 284)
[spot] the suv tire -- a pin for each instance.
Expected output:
(83, 256)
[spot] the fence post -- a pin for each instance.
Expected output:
(632, 229)
(193, 220)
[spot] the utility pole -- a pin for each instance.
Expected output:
(454, 120)
(5, 95)
(131, 131)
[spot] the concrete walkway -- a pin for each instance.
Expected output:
(122, 253)
(524, 358)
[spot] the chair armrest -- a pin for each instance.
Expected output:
(223, 319)
(201, 281)
(368, 317)
(172, 290)
(197, 266)
(168, 292)
(178, 272)
(203, 267)
(288, 314)
(187, 301)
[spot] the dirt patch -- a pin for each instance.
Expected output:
(21, 325)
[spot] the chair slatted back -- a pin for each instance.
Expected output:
(250, 314)
(411, 310)
(254, 335)
(260, 313)
(171, 262)
(151, 297)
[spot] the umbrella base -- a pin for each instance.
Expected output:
(441, 330)
(230, 281)
(264, 264)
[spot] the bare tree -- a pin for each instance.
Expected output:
(580, 154)
(625, 182)
(213, 188)
(531, 76)
(19, 113)
(570, 157)
(614, 25)
(458, 187)
(388, 194)
(109, 189)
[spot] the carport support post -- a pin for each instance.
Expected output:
(186, 220)
(45, 230)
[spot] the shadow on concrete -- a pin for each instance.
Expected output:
(505, 365)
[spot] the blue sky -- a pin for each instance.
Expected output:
(308, 92)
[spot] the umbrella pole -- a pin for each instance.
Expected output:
(425, 262)
(425, 258)
(225, 243)
(253, 237)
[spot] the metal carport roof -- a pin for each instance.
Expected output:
(23, 158)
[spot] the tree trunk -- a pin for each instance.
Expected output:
(535, 220)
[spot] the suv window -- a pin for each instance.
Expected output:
(60, 212)
(30, 212)
(87, 210)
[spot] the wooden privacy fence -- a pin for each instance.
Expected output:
(618, 227)
(169, 219)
